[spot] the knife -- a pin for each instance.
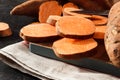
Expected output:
(92, 64)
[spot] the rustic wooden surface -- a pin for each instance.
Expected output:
(15, 22)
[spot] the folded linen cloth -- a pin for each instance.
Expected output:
(19, 57)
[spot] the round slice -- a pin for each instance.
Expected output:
(39, 32)
(5, 30)
(49, 8)
(75, 27)
(74, 48)
(99, 20)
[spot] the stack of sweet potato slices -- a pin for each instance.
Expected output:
(74, 35)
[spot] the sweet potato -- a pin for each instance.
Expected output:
(75, 27)
(100, 32)
(49, 8)
(5, 30)
(112, 36)
(74, 48)
(99, 20)
(40, 32)
(70, 12)
(71, 5)
(28, 8)
(52, 19)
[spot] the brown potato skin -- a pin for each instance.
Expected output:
(112, 35)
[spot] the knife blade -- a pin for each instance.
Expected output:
(88, 63)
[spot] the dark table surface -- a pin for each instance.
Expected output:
(15, 22)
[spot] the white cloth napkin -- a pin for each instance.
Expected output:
(19, 57)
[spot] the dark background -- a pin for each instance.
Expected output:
(15, 23)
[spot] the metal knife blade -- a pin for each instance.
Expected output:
(92, 64)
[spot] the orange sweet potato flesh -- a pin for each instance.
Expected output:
(5, 30)
(39, 32)
(99, 20)
(75, 27)
(100, 32)
(74, 48)
(71, 5)
(49, 8)
(52, 19)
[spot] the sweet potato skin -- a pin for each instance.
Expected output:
(112, 36)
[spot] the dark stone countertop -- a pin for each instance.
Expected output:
(15, 22)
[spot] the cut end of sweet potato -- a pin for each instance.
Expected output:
(39, 33)
(5, 30)
(75, 27)
(49, 8)
(74, 48)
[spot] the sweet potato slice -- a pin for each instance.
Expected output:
(52, 19)
(5, 30)
(71, 12)
(28, 8)
(74, 48)
(71, 5)
(100, 32)
(75, 27)
(49, 8)
(99, 20)
(40, 32)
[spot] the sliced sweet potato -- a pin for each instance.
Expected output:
(71, 5)
(28, 8)
(74, 48)
(75, 27)
(100, 32)
(52, 19)
(5, 30)
(71, 12)
(40, 32)
(99, 20)
(49, 8)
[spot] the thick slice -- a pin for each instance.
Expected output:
(70, 4)
(74, 48)
(100, 32)
(52, 19)
(99, 20)
(75, 27)
(28, 8)
(71, 12)
(39, 33)
(5, 30)
(49, 8)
